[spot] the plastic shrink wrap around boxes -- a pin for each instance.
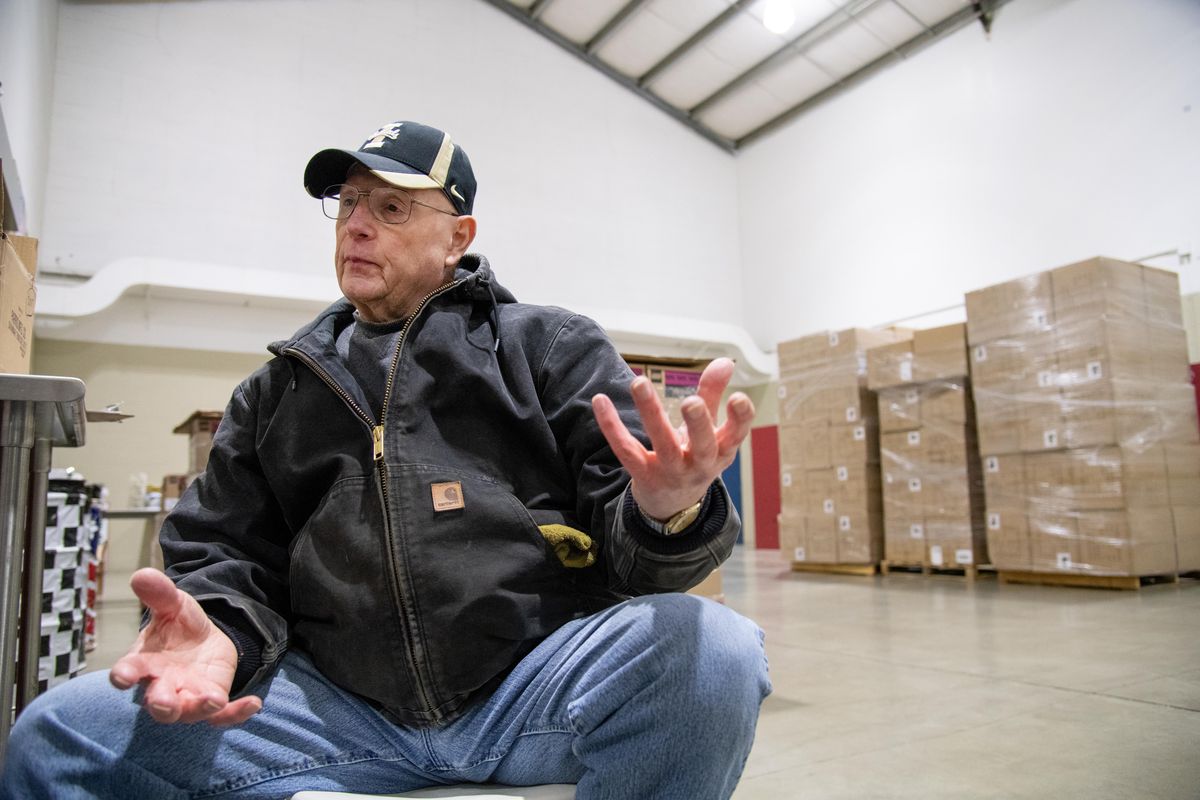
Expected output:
(933, 504)
(831, 506)
(1087, 421)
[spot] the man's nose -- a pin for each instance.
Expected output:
(361, 221)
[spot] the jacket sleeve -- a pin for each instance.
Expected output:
(580, 363)
(226, 543)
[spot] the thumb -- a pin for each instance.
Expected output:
(157, 592)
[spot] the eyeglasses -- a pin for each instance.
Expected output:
(388, 205)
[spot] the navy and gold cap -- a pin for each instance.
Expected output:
(405, 154)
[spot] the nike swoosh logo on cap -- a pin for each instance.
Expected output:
(454, 191)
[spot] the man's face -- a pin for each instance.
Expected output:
(385, 270)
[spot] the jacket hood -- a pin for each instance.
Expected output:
(478, 283)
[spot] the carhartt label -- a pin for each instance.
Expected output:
(843, 473)
(1039, 318)
(851, 413)
(447, 496)
(917, 531)
(860, 433)
(827, 506)
(786, 479)
(798, 555)
(906, 370)
(833, 339)
(1095, 369)
(843, 523)
(994, 521)
(1050, 439)
(993, 464)
(981, 353)
(914, 438)
(1064, 560)
(914, 484)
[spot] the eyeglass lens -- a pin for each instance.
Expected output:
(392, 206)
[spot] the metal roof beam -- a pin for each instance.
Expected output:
(708, 30)
(944, 28)
(528, 20)
(612, 25)
(826, 27)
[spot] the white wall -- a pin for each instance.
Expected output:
(28, 35)
(1074, 132)
(181, 131)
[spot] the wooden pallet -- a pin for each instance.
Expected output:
(1121, 582)
(835, 569)
(968, 571)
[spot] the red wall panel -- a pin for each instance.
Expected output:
(764, 444)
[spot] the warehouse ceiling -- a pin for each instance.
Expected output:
(734, 70)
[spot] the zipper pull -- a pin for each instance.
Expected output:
(377, 438)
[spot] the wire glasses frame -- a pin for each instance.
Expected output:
(389, 205)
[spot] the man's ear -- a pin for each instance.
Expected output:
(464, 234)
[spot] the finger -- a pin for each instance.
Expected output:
(663, 438)
(157, 592)
(236, 712)
(127, 672)
(162, 700)
(739, 415)
(702, 438)
(714, 380)
(628, 450)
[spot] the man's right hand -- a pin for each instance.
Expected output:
(185, 662)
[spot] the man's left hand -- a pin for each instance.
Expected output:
(684, 460)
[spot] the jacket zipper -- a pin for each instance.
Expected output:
(381, 468)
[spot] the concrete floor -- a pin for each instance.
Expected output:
(930, 687)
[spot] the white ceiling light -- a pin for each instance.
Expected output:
(779, 16)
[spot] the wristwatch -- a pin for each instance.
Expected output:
(677, 523)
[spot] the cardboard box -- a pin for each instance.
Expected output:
(18, 298)
(890, 365)
(859, 537)
(200, 428)
(793, 536)
(947, 402)
(1099, 349)
(1008, 544)
(940, 353)
(1164, 304)
(817, 450)
(1020, 306)
(1187, 537)
(1004, 481)
(1138, 541)
(1183, 473)
(1054, 542)
(822, 539)
(899, 409)
(1098, 288)
(854, 444)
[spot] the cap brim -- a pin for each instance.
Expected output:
(330, 167)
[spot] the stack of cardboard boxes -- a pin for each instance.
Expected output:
(932, 487)
(200, 428)
(1087, 422)
(831, 503)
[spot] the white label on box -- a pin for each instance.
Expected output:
(914, 484)
(851, 413)
(862, 364)
(860, 433)
(981, 353)
(843, 473)
(994, 521)
(833, 339)
(827, 506)
(798, 555)
(1050, 439)
(916, 530)
(786, 479)
(914, 438)
(906, 370)
(993, 464)
(1064, 561)
(781, 391)
(962, 556)
(1039, 318)
(843, 523)
(935, 555)
(1095, 369)
(1046, 378)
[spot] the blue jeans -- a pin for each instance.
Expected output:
(657, 697)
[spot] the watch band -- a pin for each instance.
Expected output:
(678, 522)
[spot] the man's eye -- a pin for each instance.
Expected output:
(346, 201)
(393, 207)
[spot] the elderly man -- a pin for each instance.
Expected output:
(431, 546)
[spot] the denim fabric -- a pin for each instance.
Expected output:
(657, 697)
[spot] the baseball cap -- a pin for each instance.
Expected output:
(405, 154)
